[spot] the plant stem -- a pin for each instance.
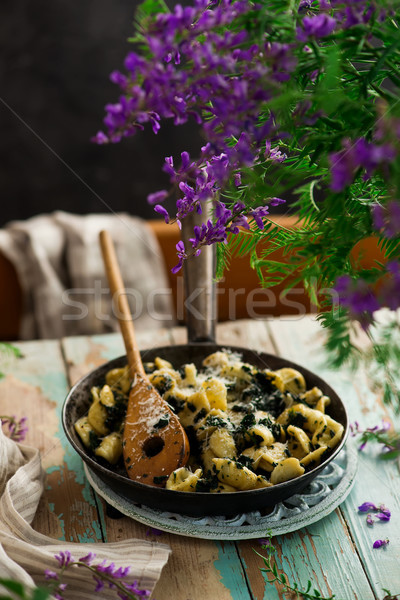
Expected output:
(272, 569)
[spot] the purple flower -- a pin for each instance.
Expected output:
(119, 79)
(379, 543)
(355, 12)
(372, 433)
(389, 291)
(362, 446)
(316, 26)
(134, 589)
(237, 179)
(50, 574)
(22, 430)
(382, 428)
(88, 558)
(281, 59)
(104, 568)
(153, 531)
(121, 572)
(209, 233)
(180, 248)
(202, 64)
(383, 516)
(100, 138)
(304, 4)
(385, 426)
(157, 197)
(276, 201)
(370, 155)
(343, 166)
(273, 154)
(64, 558)
(258, 214)
(387, 218)
(99, 584)
(134, 62)
(17, 429)
(163, 212)
(358, 297)
(366, 506)
(370, 519)
(381, 512)
(354, 155)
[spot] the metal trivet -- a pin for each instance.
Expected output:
(319, 499)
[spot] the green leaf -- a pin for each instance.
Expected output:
(285, 100)
(391, 454)
(41, 594)
(10, 348)
(371, 75)
(13, 586)
(149, 8)
(223, 260)
(329, 94)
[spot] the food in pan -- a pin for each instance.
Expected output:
(248, 427)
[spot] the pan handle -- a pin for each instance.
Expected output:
(199, 281)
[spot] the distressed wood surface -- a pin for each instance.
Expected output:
(36, 386)
(335, 553)
(377, 481)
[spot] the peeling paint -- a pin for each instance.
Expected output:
(231, 571)
(39, 380)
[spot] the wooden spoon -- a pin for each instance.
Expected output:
(154, 442)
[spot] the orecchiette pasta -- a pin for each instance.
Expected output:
(229, 472)
(222, 444)
(216, 393)
(290, 468)
(97, 417)
(110, 447)
(183, 480)
(299, 443)
(249, 428)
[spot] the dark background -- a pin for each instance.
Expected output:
(55, 61)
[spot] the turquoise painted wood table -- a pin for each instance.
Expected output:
(334, 551)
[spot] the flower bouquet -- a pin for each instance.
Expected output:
(297, 102)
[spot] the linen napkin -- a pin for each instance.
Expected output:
(60, 269)
(25, 553)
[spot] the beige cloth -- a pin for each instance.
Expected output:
(25, 553)
(60, 269)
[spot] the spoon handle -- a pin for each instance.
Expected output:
(120, 302)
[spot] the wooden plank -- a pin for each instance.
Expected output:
(200, 569)
(35, 386)
(85, 353)
(178, 335)
(376, 482)
(197, 568)
(320, 553)
(246, 333)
